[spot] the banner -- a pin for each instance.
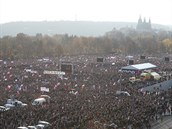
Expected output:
(45, 89)
(31, 71)
(54, 72)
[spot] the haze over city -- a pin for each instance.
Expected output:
(160, 11)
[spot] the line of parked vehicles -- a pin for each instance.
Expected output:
(12, 103)
(40, 125)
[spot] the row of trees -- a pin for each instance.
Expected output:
(125, 41)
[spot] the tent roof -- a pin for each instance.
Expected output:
(139, 66)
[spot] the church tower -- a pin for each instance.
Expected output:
(139, 24)
(150, 24)
(142, 25)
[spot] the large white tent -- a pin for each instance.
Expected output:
(139, 67)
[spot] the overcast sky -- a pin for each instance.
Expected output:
(160, 11)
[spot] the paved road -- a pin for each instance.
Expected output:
(165, 124)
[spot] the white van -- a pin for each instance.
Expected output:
(39, 101)
(122, 93)
(46, 97)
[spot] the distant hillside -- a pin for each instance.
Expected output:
(79, 28)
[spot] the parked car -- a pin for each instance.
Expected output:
(3, 108)
(40, 125)
(28, 127)
(31, 127)
(43, 125)
(9, 105)
(122, 93)
(15, 103)
(21, 127)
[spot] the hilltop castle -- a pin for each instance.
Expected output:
(142, 25)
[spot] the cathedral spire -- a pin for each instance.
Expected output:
(140, 19)
(144, 20)
(149, 21)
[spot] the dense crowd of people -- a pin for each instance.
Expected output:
(92, 104)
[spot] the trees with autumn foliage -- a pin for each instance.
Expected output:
(127, 41)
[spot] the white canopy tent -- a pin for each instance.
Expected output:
(139, 67)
